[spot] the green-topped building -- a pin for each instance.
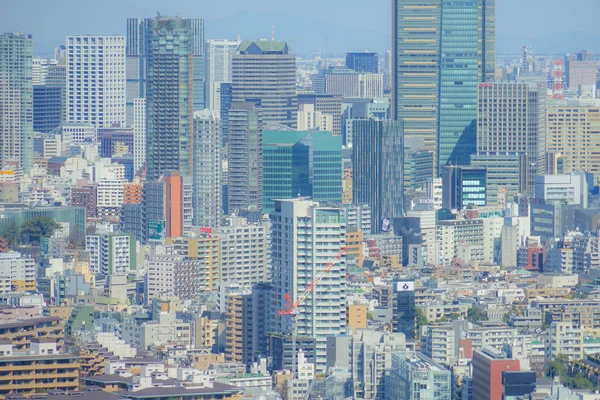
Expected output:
(301, 164)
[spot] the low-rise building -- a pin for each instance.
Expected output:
(415, 376)
(36, 371)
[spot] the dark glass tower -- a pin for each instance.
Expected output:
(377, 160)
(404, 312)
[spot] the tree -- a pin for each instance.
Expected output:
(420, 320)
(38, 228)
(476, 314)
(558, 367)
(12, 234)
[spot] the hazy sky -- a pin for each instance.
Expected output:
(338, 25)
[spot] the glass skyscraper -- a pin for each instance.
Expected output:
(169, 97)
(137, 48)
(404, 311)
(301, 164)
(377, 161)
(16, 100)
(441, 51)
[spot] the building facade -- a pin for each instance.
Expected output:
(315, 235)
(16, 101)
(96, 80)
(207, 196)
(169, 94)
(245, 126)
(440, 51)
(301, 164)
(377, 169)
(264, 72)
(219, 55)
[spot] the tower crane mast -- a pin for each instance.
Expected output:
(291, 307)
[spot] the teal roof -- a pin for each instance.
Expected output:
(263, 47)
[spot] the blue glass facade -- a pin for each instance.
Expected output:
(441, 50)
(459, 76)
(377, 160)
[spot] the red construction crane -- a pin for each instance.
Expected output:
(291, 308)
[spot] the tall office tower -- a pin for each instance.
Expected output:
(307, 236)
(139, 134)
(139, 37)
(488, 365)
(363, 62)
(169, 96)
(377, 168)
(581, 70)
(96, 80)
(404, 309)
(244, 158)
(219, 54)
(207, 169)
(225, 105)
(301, 164)
(441, 50)
(327, 104)
(511, 119)
(573, 135)
(16, 101)
(265, 73)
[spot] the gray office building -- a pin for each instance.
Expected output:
(264, 73)
(244, 158)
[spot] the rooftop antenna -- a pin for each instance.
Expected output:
(273, 32)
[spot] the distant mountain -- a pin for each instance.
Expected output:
(304, 34)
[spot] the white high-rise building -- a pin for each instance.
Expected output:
(96, 80)
(305, 237)
(207, 169)
(111, 254)
(245, 257)
(219, 54)
(139, 134)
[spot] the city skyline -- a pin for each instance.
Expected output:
(333, 28)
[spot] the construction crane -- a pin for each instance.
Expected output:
(291, 307)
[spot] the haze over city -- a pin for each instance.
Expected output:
(277, 200)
